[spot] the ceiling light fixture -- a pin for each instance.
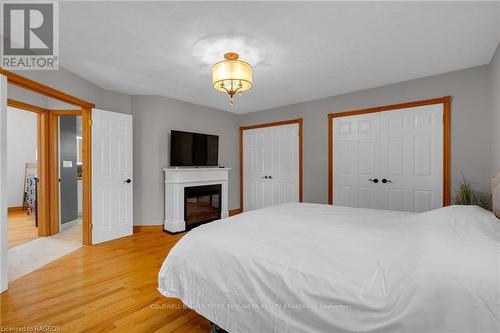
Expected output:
(232, 76)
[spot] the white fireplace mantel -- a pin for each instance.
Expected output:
(176, 179)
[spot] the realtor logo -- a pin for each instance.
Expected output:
(30, 35)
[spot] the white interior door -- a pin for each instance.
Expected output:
(112, 188)
(390, 160)
(3, 184)
(270, 166)
(355, 149)
(411, 151)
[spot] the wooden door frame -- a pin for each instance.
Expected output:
(43, 197)
(298, 121)
(49, 168)
(446, 101)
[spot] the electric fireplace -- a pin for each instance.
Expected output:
(202, 204)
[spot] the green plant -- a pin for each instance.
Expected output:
(466, 195)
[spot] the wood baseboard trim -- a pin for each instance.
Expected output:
(159, 228)
(236, 211)
(148, 228)
(15, 209)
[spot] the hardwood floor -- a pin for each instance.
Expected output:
(109, 287)
(21, 227)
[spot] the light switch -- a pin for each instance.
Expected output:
(67, 164)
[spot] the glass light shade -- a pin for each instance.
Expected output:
(232, 76)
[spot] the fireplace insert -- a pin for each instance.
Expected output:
(202, 204)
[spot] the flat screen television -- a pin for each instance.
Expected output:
(193, 149)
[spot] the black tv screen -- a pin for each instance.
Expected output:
(193, 149)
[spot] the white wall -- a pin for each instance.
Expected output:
(77, 86)
(154, 118)
(495, 91)
(21, 149)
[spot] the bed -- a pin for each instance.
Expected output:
(321, 268)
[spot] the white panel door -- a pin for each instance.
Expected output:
(270, 166)
(411, 151)
(254, 171)
(354, 160)
(390, 160)
(112, 188)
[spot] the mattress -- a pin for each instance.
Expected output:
(321, 268)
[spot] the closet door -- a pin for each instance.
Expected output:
(254, 168)
(270, 166)
(389, 160)
(283, 167)
(355, 161)
(411, 151)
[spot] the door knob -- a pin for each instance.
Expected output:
(128, 181)
(270, 177)
(375, 180)
(386, 181)
(265, 177)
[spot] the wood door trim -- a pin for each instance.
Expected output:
(48, 190)
(446, 101)
(25, 106)
(43, 196)
(275, 123)
(298, 121)
(87, 175)
(40, 88)
(54, 173)
(66, 112)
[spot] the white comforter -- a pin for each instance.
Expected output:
(321, 268)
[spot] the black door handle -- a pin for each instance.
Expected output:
(128, 181)
(386, 181)
(374, 180)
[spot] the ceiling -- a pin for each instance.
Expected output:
(301, 50)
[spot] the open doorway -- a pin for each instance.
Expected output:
(22, 176)
(45, 236)
(31, 247)
(67, 202)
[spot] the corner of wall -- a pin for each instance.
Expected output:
(495, 109)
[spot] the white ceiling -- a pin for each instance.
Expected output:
(302, 50)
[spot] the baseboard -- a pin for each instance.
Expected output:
(159, 228)
(15, 209)
(236, 211)
(148, 228)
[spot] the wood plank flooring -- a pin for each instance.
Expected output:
(21, 227)
(109, 287)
